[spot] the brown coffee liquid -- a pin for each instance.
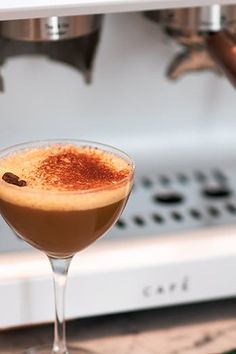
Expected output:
(61, 198)
(60, 233)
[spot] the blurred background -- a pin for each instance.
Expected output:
(175, 243)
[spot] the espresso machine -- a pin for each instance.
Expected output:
(163, 90)
(72, 40)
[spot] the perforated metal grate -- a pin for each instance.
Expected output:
(175, 201)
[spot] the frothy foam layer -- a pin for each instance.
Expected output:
(66, 177)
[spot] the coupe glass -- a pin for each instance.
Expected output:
(60, 234)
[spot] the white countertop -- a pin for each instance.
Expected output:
(16, 9)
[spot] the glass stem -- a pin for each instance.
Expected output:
(60, 269)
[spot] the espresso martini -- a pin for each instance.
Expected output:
(60, 198)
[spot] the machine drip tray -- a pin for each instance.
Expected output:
(166, 203)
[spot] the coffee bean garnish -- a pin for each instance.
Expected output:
(13, 179)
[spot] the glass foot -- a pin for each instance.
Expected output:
(47, 349)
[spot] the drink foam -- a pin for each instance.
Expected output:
(66, 177)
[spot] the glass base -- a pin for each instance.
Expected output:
(47, 349)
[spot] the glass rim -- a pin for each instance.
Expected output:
(47, 142)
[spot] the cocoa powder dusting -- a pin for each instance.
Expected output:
(70, 170)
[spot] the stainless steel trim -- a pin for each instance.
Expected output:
(51, 28)
(209, 18)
